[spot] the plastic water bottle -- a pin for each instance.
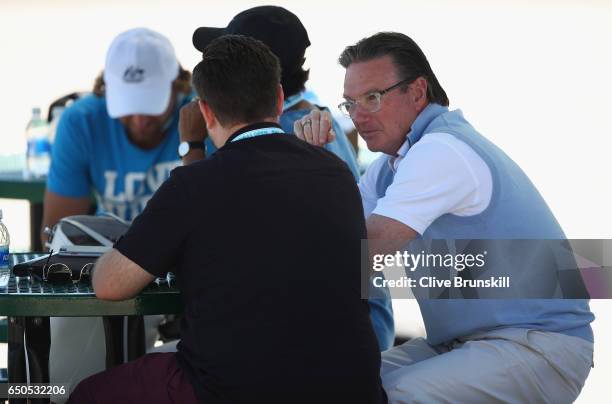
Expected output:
(38, 155)
(5, 240)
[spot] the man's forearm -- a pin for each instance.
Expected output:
(116, 277)
(387, 236)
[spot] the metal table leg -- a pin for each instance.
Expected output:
(38, 344)
(16, 354)
(136, 337)
(113, 335)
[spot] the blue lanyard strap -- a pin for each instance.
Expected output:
(257, 132)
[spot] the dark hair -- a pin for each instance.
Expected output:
(408, 58)
(239, 78)
(181, 84)
(294, 82)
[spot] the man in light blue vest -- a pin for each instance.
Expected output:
(440, 179)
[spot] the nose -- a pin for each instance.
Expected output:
(359, 114)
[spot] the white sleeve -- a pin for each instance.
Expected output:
(367, 185)
(440, 174)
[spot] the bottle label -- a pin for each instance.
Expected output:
(4, 256)
(38, 146)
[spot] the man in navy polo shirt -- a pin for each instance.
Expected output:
(285, 35)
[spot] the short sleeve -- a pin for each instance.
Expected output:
(155, 237)
(68, 174)
(437, 176)
(367, 186)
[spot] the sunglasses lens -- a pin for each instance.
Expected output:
(85, 273)
(59, 273)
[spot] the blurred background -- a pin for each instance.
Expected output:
(533, 76)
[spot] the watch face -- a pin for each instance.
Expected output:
(183, 149)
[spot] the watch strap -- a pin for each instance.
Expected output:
(194, 144)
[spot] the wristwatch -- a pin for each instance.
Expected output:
(185, 147)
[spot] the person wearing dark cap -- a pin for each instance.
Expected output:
(273, 309)
(284, 33)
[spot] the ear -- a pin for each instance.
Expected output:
(208, 114)
(280, 96)
(419, 93)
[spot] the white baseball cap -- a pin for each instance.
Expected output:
(139, 70)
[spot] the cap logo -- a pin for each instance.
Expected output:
(133, 74)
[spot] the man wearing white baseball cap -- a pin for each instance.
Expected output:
(119, 143)
(140, 68)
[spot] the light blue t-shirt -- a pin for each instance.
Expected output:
(92, 152)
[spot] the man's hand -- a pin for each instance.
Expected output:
(192, 128)
(315, 128)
